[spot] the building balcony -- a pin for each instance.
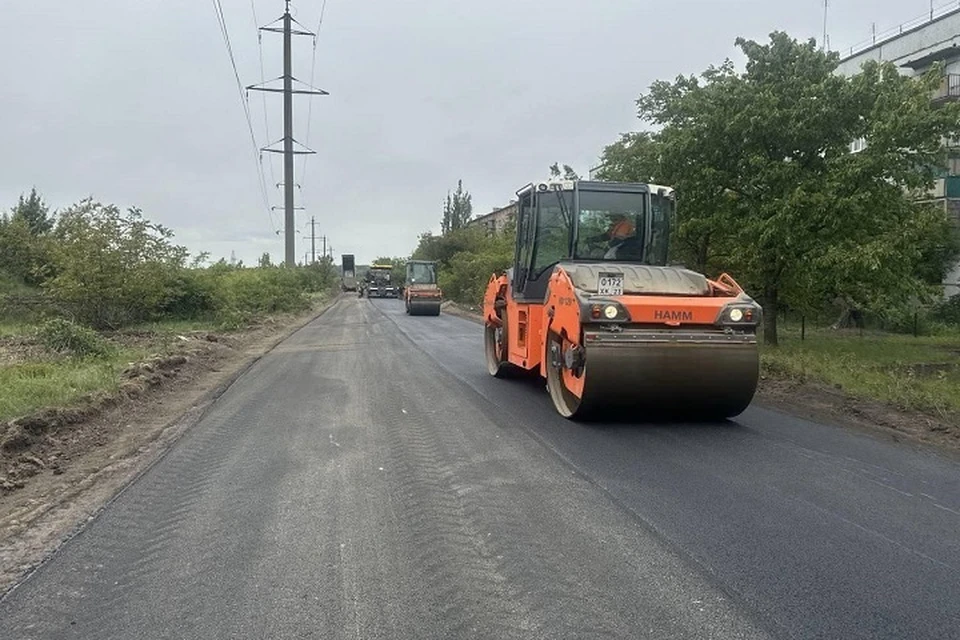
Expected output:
(946, 187)
(949, 89)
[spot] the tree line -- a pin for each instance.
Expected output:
(106, 268)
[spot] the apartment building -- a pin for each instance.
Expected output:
(913, 47)
(496, 220)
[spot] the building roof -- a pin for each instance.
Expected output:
(877, 41)
(495, 213)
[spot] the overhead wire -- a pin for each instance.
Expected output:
(313, 66)
(258, 156)
(263, 80)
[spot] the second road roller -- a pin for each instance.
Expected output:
(591, 305)
(421, 293)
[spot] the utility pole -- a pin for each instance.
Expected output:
(288, 151)
(313, 237)
(823, 43)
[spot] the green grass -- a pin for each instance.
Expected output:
(31, 386)
(918, 373)
(12, 328)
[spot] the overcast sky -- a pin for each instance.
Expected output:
(135, 103)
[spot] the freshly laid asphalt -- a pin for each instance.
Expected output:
(369, 479)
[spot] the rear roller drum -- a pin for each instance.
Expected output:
(566, 376)
(495, 345)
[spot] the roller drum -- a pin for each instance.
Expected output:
(424, 307)
(711, 376)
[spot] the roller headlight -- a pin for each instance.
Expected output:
(740, 314)
(606, 312)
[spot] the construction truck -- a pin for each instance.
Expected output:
(378, 284)
(591, 305)
(421, 293)
(348, 276)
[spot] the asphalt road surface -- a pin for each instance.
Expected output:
(368, 479)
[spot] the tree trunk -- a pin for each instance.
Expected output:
(771, 309)
(703, 251)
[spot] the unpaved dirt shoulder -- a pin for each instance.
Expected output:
(826, 405)
(82, 465)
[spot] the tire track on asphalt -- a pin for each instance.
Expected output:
(154, 523)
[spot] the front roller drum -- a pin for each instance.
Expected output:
(423, 307)
(707, 380)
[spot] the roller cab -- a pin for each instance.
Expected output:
(421, 293)
(591, 305)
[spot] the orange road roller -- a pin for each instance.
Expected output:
(421, 293)
(592, 306)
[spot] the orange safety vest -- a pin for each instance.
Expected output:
(622, 229)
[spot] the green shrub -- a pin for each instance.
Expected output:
(112, 268)
(191, 294)
(466, 279)
(948, 311)
(63, 336)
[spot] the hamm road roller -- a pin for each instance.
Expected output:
(592, 306)
(421, 293)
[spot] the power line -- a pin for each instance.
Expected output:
(313, 66)
(221, 20)
(263, 80)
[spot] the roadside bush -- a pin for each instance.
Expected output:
(63, 336)
(466, 259)
(906, 320)
(191, 294)
(468, 274)
(24, 256)
(261, 291)
(112, 268)
(948, 311)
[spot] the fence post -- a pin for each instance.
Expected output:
(803, 327)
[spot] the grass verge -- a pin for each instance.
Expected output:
(31, 386)
(921, 373)
(51, 381)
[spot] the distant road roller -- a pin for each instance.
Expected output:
(421, 293)
(591, 306)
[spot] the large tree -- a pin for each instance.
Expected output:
(457, 209)
(767, 185)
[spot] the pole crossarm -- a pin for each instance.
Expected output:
(305, 90)
(293, 32)
(303, 151)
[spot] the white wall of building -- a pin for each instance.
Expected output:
(916, 43)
